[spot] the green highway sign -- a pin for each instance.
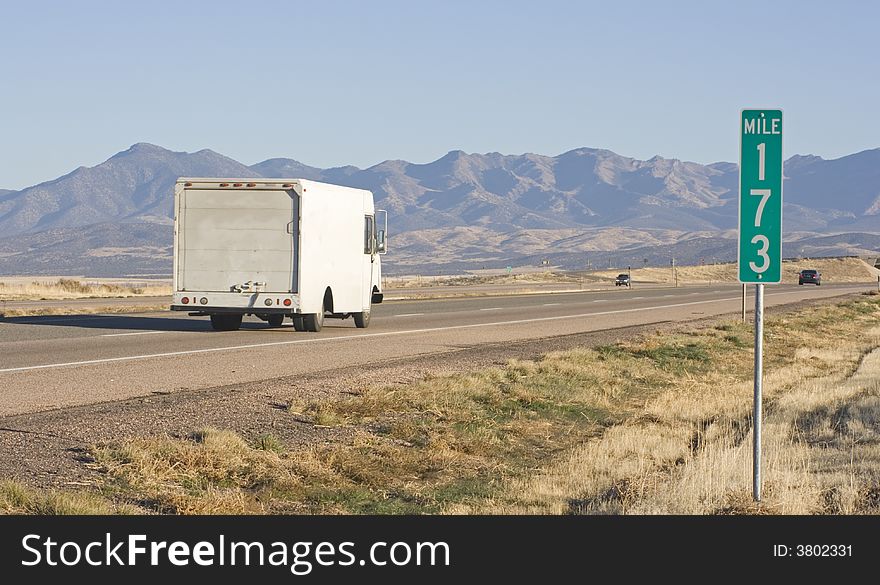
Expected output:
(760, 197)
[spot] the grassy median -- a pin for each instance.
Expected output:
(657, 424)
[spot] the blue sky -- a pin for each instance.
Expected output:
(333, 83)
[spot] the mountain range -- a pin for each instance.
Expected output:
(462, 211)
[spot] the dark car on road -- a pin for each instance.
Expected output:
(810, 277)
(621, 280)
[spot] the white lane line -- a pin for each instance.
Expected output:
(550, 304)
(600, 300)
(133, 333)
(409, 315)
(383, 334)
(637, 298)
(491, 309)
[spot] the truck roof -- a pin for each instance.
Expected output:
(263, 182)
(235, 180)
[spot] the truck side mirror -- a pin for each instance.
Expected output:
(381, 233)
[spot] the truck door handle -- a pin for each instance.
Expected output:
(290, 227)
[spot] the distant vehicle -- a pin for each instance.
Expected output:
(621, 280)
(276, 249)
(810, 277)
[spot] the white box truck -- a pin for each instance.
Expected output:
(276, 248)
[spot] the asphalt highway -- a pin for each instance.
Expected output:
(61, 361)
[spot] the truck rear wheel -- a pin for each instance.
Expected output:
(361, 320)
(275, 320)
(299, 324)
(313, 321)
(226, 322)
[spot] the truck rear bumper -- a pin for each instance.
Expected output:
(207, 310)
(229, 302)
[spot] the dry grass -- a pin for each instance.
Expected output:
(690, 450)
(15, 498)
(69, 288)
(821, 450)
(520, 278)
(211, 471)
(412, 448)
(659, 424)
(834, 270)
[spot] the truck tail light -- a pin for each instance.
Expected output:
(204, 300)
(286, 302)
(185, 300)
(268, 302)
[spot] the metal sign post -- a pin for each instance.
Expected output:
(760, 235)
(759, 375)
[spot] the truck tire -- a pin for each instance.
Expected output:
(299, 324)
(275, 320)
(313, 321)
(226, 322)
(362, 319)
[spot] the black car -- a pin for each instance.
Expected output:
(810, 277)
(621, 280)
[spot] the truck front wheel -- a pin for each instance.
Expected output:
(361, 320)
(226, 322)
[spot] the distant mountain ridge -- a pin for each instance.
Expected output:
(594, 187)
(490, 194)
(135, 184)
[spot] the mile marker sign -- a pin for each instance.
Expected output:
(760, 197)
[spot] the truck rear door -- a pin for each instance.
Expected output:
(231, 236)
